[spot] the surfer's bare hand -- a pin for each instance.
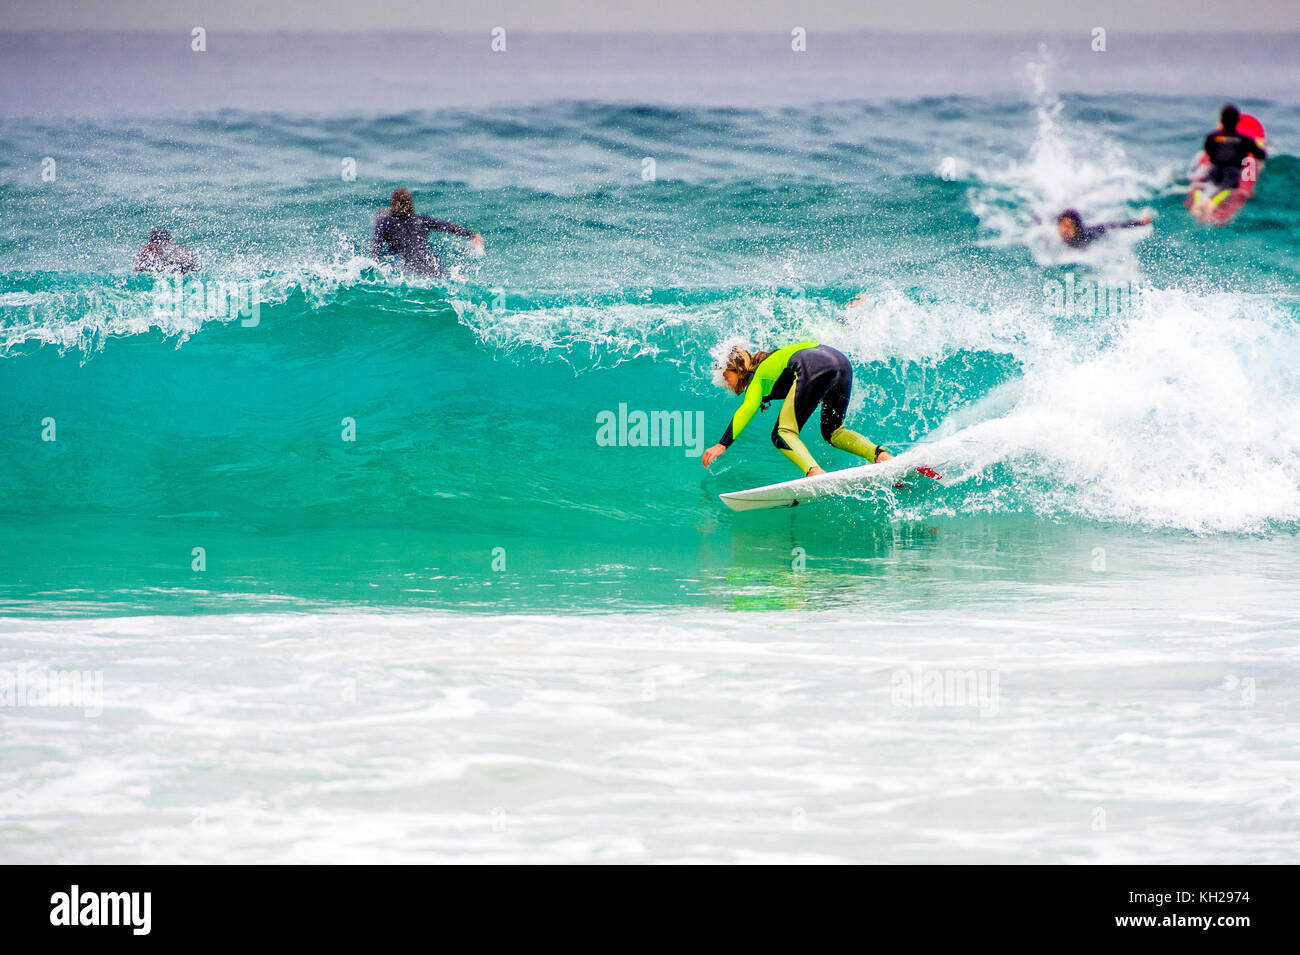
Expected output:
(882, 456)
(814, 471)
(1146, 219)
(713, 453)
(476, 242)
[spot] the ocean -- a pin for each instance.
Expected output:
(303, 559)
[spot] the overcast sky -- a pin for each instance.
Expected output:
(964, 16)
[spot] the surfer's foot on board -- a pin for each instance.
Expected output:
(881, 455)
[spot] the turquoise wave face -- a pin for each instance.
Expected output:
(359, 436)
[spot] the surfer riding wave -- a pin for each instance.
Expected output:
(804, 376)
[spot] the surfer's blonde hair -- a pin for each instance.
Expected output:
(743, 362)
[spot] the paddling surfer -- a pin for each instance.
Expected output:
(1070, 227)
(400, 231)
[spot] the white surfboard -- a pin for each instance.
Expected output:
(831, 484)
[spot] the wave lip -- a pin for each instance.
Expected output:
(1189, 419)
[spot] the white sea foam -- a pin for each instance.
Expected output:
(1188, 418)
(771, 738)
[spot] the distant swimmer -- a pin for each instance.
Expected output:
(801, 377)
(1227, 149)
(162, 255)
(1070, 227)
(399, 231)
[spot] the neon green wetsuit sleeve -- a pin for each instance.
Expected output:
(760, 386)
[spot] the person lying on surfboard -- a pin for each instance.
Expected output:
(801, 377)
(1227, 149)
(1070, 227)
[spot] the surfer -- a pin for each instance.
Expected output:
(1070, 227)
(802, 376)
(1227, 149)
(400, 231)
(160, 255)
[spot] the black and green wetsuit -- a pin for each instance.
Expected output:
(803, 375)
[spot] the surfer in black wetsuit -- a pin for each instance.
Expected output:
(1227, 149)
(161, 255)
(400, 231)
(1070, 227)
